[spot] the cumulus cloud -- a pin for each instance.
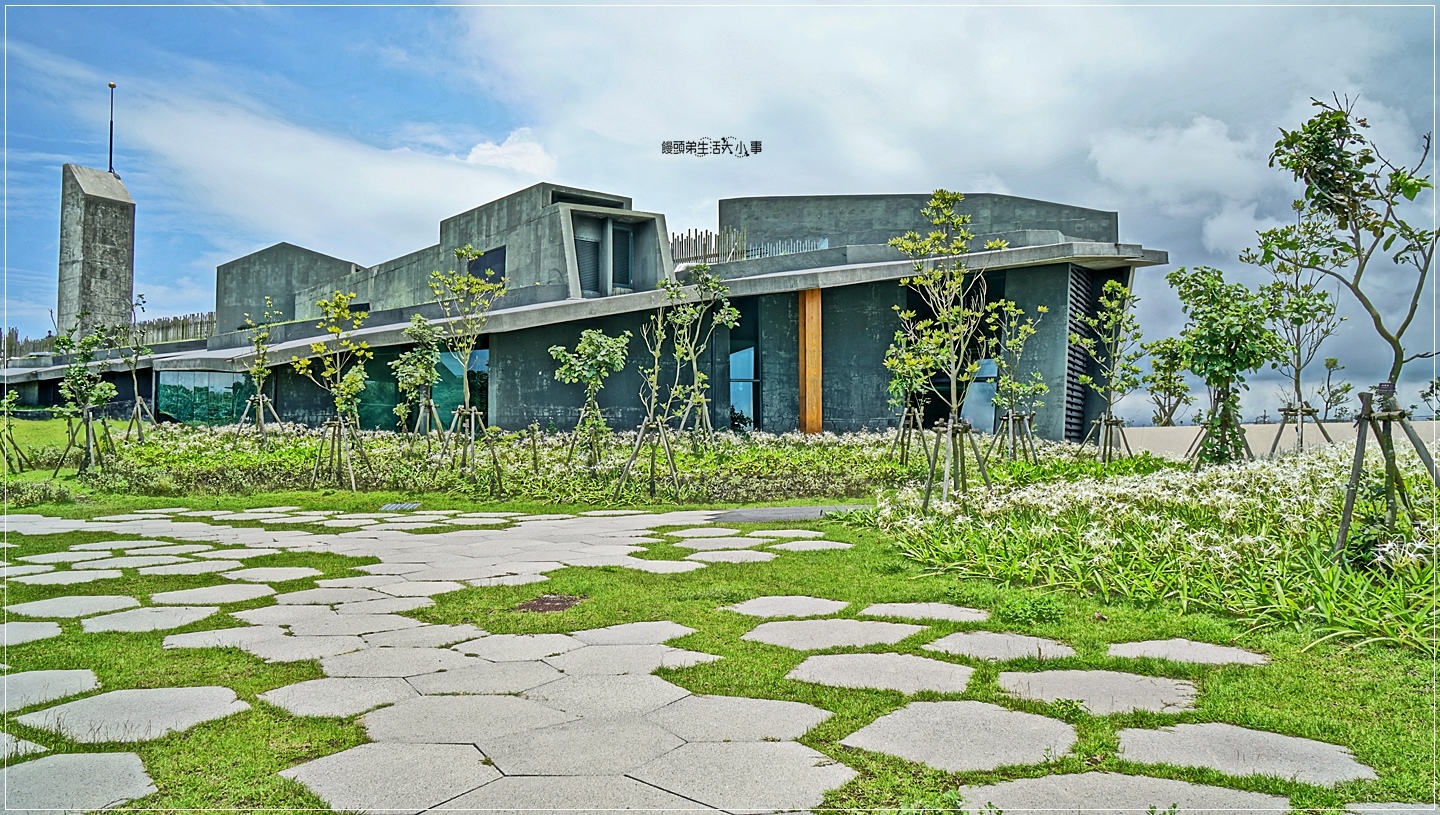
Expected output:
(1232, 230)
(1185, 168)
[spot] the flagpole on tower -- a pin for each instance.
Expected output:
(112, 129)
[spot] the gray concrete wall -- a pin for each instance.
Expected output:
(857, 325)
(1045, 351)
(1175, 441)
(871, 219)
(277, 272)
(780, 361)
(97, 249)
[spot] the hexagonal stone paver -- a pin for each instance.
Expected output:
(76, 782)
(486, 677)
(394, 778)
(706, 544)
(1102, 692)
(283, 615)
(956, 736)
(459, 719)
(651, 633)
(607, 695)
(927, 611)
(64, 557)
(625, 659)
(1111, 792)
(903, 672)
(785, 533)
(339, 697)
(148, 619)
(11, 747)
(736, 718)
(732, 556)
(421, 588)
(813, 635)
(1238, 751)
(428, 636)
(135, 715)
(528, 795)
(10, 570)
(517, 647)
(74, 606)
(399, 662)
(338, 625)
(1388, 808)
(34, 687)
(327, 597)
(273, 574)
(999, 647)
(294, 649)
(1183, 650)
(788, 606)
(173, 549)
(704, 532)
(68, 578)
(207, 567)
(19, 633)
(810, 546)
(597, 746)
(129, 562)
(747, 776)
(223, 637)
(390, 606)
(212, 594)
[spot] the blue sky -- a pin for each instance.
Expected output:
(354, 130)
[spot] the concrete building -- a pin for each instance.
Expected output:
(806, 355)
(97, 249)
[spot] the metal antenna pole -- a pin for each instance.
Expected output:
(112, 129)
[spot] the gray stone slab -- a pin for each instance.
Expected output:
(129, 562)
(903, 672)
(173, 549)
(487, 677)
(785, 533)
(508, 580)
(274, 574)
(599, 794)
(646, 633)
(428, 636)
(368, 581)
(284, 615)
(704, 532)
(148, 619)
(726, 542)
(595, 746)
(788, 606)
(339, 697)
(1239, 751)
(959, 736)
(81, 605)
(327, 597)
(1093, 793)
(114, 545)
(421, 588)
(236, 554)
(64, 557)
(199, 567)
(996, 646)
(1182, 650)
(613, 660)
(813, 635)
(927, 611)
(135, 715)
(76, 782)
(389, 606)
(11, 747)
(736, 718)
(8, 571)
(399, 662)
(596, 696)
(394, 778)
(517, 647)
(68, 578)
(459, 719)
(810, 546)
(219, 595)
(339, 625)
(224, 637)
(732, 556)
(760, 515)
(747, 776)
(294, 649)
(20, 633)
(1102, 692)
(23, 690)
(1383, 808)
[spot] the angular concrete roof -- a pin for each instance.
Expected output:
(99, 184)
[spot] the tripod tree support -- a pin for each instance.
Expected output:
(1380, 424)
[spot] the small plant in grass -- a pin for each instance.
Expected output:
(1333, 396)
(1027, 608)
(1069, 710)
(595, 357)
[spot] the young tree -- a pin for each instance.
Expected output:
(1016, 394)
(1226, 338)
(85, 393)
(340, 373)
(1333, 395)
(1303, 317)
(1166, 381)
(416, 372)
(595, 357)
(128, 339)
(909, 377)
(466, 299)
(259, 370)
(1430, 395)
(693, 320)
(1114, 346)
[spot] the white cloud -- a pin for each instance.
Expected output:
(1232, 230)
(1183, 168)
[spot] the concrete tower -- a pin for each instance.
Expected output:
(97, 249)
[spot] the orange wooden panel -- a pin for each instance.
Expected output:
(812, 416)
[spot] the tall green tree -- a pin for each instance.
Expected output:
(1169, 392)
(1226, 338)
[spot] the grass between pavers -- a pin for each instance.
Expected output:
(1373, 700)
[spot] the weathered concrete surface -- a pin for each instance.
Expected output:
(903, 672)
(607, 695)
(813, 635)
(1089, 793)
(75, 782)
(136, 715)
(394, 778)
(736, 718)
(1183, 650)
(956, 736)
(339, 697)
(1240, 751)
(527, 795)
(459, 719)
(212, 594)
(35, 687)
(148, 619)
(1102, 692)
(788, 606)
(76, 606)
(20, 633)
(999, 647)
(927, 611)
(590, 746)
(747, 776)
(97, 249)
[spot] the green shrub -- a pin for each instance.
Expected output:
(31, 493)
(1029, 609)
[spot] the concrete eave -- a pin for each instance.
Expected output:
(1090, 255)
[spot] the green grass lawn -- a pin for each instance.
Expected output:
(1375, 700)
